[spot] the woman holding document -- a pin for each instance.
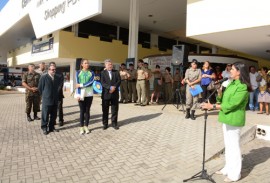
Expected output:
(84, 94)
(192, 78)
(232, 106)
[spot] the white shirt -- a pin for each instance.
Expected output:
(253, 82)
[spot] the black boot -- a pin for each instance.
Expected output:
(192, 115)
(187, 113)
(29, 119)
(36, 117)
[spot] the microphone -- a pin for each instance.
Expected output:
(221, 81)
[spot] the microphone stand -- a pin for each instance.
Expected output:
(203, 174)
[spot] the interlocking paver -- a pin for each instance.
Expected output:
(151, 146)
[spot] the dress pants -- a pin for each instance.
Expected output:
(48, 117)
(60, 110)
(233, 156)
(114, 109)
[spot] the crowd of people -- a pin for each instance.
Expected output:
(134, 87)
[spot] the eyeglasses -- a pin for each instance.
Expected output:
(53, 69)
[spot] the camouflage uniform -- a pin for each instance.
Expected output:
(32, 98)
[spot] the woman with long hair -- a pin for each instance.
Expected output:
(208, 75)
(264, 95)
(84, 94)
(232, 105)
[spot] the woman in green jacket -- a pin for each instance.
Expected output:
(232, 105)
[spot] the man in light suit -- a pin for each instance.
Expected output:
(48, 88)
(110, 81)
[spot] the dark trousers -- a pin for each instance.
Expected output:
(114, 108)
(85, 106)
(48, 117)
(60, 110)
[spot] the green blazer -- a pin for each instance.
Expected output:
(233, 104)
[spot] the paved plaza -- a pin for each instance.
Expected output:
(152, 146)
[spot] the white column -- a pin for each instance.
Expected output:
(75, 29)
(72, 75)
(133, 30)
(214, 50)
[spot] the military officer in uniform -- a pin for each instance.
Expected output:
(147, 83)
(30, 81)
(132, 92)
(142, 75)
(168, 84)
(124, 83)
(192, 78)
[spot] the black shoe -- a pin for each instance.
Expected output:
(61, 123)
(45, 132)
(29, 119)
(36, 118)
(192, 115)
(187, 114)
(116, 127)
(143, 105)
(53, 130)
(105, 127)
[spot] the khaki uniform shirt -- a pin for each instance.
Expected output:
(149, 73)
(176, 78)
(192, 74)
(167, 78)
(124, 74)
(141, 73)
(132, 74)
(31, 79)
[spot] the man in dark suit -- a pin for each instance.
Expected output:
(110, 80)
(60, 97)
(48, 88)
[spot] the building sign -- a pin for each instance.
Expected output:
(48, 16)
(42, 46)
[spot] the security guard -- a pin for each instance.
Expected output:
(192, 78)
(124, 83)
(142, 75)
(30, 82)
(147, 83)
(168, 84)
(132, 92)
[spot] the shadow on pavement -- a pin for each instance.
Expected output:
(139, 119)
(212, 113)
(76, 122)
(71, 106)
(254, 158)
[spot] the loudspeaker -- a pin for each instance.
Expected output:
(180, 54)
(78, 63)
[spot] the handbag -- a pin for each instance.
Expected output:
(213, 86)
